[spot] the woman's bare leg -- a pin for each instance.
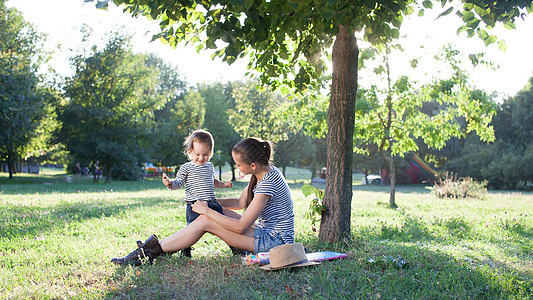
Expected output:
(190, 234)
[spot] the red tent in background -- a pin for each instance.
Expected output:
(418, 171)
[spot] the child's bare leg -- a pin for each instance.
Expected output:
(190, 234)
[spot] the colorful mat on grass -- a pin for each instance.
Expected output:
(262, 258)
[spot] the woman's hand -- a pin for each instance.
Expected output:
(228, 184)
(200, 207)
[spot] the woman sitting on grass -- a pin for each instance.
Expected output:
(266, 199)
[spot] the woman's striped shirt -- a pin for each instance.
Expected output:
(278, 215)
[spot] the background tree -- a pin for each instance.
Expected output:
(367, 160)
(109, 112)
(394, 120)
(179, 110)
(25, 104)
(219, 102)
(294, 151)
(285, 40)
(506, 163)
(254, 113)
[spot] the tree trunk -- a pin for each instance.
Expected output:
(392, 179)
(108, 177)
(220, 172)
(10, 165)
(233, 178)
(335, 222)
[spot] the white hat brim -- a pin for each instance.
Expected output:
(304, 264)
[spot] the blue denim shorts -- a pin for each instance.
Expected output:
(266, 240)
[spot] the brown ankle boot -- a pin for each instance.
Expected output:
(150, 249)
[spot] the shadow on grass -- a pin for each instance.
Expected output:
(72, 184)
(22, 220)
(429, 274)
(371, 270)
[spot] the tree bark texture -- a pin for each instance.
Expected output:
(335, 222)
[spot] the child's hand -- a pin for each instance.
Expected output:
(228, 184)
(166, 181)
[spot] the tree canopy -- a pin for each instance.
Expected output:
(24, 102)
(109, 112)
(285, 41)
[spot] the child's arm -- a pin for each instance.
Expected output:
(178, 182)
(219, 184)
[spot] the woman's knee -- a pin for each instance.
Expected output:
(203, 221)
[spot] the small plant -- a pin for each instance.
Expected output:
(315, 205)
(449, 186)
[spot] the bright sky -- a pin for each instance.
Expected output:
(62, 20)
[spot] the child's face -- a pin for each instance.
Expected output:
(200, 153)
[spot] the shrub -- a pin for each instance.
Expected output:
(447, 185)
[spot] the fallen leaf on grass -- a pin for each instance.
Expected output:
(290, 291)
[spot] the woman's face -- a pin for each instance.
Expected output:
(240, 165)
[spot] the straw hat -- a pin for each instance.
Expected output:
(288, 256)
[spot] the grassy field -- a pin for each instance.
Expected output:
(58, 233)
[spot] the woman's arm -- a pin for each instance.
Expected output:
(234, 203)
(236, 225)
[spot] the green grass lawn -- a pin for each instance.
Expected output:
(58, 233)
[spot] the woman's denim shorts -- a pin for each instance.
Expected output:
(266, 240)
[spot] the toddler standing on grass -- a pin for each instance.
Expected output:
(198, 176)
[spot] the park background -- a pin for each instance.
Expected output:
(60, 228)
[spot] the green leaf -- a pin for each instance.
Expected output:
(395, 33)
(248, 4)
(421, 13)
(446, 12)
(284, 90)
(327, 13)
(307, 190)
(427, 4)
(413, 63)
(468, 16)
(480, 11)
(101, 5)
(489, 19)
(237, 2)
(482, 34)
(510, 25)
(473, 23)
(468, 6)
(490, 40)
(502, 45)
(199, 48)
(461, 29)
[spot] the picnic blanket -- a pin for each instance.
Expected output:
(263, 258)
